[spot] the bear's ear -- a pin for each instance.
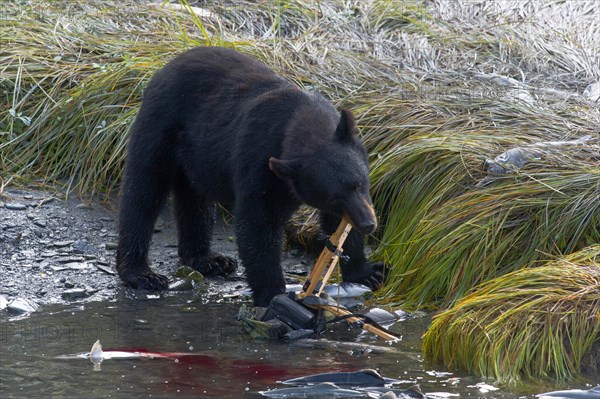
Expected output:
(346, 129)
(283, 169)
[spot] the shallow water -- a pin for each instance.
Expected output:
(232, 365)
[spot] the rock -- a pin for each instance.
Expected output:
(69, 259)
(14, 206)
(181, 285)
(111, 245)
(83, 246)
(296, 252)
(188, 273)
(105, 269)
(22, 306)
(76, 265)
(3, 302)
(85, 207)
(69, 285)
(73, 294)
(592, 92)
(40, 222)
(62, 244)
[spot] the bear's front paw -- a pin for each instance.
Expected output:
(378, 272)
(371, 274)
(147, 281)
(214, 265)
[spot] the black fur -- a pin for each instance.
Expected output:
(218, 126)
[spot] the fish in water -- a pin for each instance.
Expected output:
(360, 378)
(346, 290)
(593, 393)
(323, 390)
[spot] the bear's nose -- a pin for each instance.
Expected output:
(367, 227)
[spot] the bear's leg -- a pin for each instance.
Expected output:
(357, 269)
(195, 220)
(143, 195)
(259, 233)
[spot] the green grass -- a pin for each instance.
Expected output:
(540, 323)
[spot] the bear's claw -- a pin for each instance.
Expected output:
(148, 281)
(214, 265)
(372, 274)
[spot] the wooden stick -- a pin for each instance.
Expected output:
(326, 256)
(326, 263)
(336, 258)
(365, 326)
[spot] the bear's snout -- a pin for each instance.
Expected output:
(367, 227)
(361, 215)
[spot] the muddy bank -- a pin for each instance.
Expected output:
(57, 249)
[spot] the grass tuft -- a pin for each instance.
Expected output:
(540, 323)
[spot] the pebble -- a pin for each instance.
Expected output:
(76, 265)
(181, 285)
(40, 222)
(84, 207)
(3, 302)
(105, 269)
(14, 206)
(69, 259)
(73, 294)
(69, 284)
(62, 244)
(110, 245)
(83, 246)
(296, 252)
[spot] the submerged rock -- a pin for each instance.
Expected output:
(21, 306)
(75, 293)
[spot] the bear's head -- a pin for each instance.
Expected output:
(334, 178)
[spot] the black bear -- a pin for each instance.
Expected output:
(219, 126)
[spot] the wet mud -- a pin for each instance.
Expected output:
(57, 249)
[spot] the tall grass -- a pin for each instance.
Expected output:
(538, 323)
